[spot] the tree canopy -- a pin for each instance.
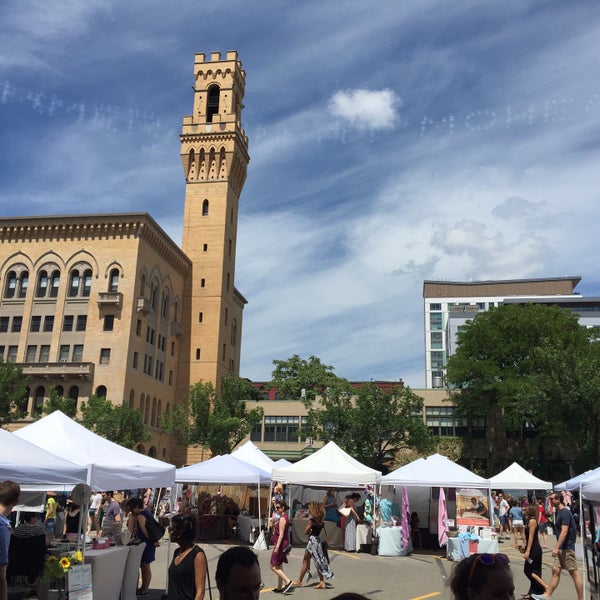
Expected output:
(55, 401)
(13, 393)
(367, 421)
(216, 420)
(117, 423)
(528, 374)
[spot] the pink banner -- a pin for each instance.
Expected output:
(442, 518)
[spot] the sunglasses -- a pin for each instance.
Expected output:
(277, 506)
(486, 560)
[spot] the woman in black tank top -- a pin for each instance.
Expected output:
(187, 571)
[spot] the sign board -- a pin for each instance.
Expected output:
(79, 579)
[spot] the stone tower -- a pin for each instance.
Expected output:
(214, 154)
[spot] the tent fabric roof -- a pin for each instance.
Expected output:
(226, 469)
(328, 466)
(252, 455)
(515, 477)
(26, 463)
(435, 471)
(574, 482)
(108, 465)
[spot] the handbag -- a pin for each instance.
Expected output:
(344, 511)
(155, 529)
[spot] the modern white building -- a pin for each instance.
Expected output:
(449, 304)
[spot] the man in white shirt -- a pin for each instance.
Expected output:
(503, 508)
(95, 502)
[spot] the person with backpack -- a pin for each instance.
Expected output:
(136, 524)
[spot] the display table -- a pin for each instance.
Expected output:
(246, 525)
(332, 533)
(129, 583)
(362, 535)
(390, 542)
(458, 548)
(108, 567)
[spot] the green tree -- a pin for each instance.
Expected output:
(217, 421)
(117, 423)
(373, 423)
(518, 370)
(298, 378)
(55, 401)
(370, 423)
(13, 393)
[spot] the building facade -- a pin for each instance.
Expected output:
(110, 305)
(449, 304)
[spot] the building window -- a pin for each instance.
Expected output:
(113, 281)
(4, 324)
(87, 283)
(234, 332)
(109, 322)
(435, 306)
(74, 392)
(281, 429)
(202, 282)
(153, 296)
(228, 281)
(44, 353)
(230, 245)
(226, 316)
(81, 323)
(48, 323)
(205, 247)
(441, 422)
(73, 283)
(166, 305)
(101, 391)
(42, 284)
(135, 360)
(437, 360)
(170, 377)
(30, 355)
(68, 323)
(11, 355)
(55, 284)
(11, 285)
(172, 348)
(17, 323)
(256, 433)
(78, 353)
(205, 208)
(224, 352)
(212, 102)
(436, 321)
(436, 340)
(197, 353)
(104, 356)
(138, 328)
(63, 353)
(36, 323)
(200, 317)
(38, 400)
(23, 283)
(2, 348)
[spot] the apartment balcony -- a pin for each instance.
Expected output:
(110, 299)
(59, 370)
(143, 305)
(176, 329)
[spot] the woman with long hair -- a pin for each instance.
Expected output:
(187, 571)
(533, 553)
(136, 524)
(351, 521)
(314, 547)
(280, 541)
(481, 577)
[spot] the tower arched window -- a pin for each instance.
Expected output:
(101, 391)
(11, 285)
(74, 280)
(54, 283)
(42, 284)
(113, 282)
(143, 286)
(166, 305)
(87, 283)
(23, 283)
(205, 208)
(212, 102)
(153, 296)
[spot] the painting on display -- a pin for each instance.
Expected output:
(472, 508)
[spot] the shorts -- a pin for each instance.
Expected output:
(50, 524)
(567, 560)
(92, 512)
(543, 527)
(503, 520)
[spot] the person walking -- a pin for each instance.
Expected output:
(9, 496)
(314, 547)
(280, 541)
(542, 522)
(533, 553)
(188, 569)
(136, 524)
(564, 549)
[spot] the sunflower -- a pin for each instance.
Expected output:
(65, 563)
(77, 557)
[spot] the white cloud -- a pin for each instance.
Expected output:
(366, 109)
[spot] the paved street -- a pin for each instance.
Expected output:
(419, 576)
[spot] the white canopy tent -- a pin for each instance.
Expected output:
(26, 463)
(221, 470)
(515, 477)
(107, 465)
(252, 455)
(573, 484)
(329, 466)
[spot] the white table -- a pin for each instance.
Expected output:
(129, 583)
(108, 567)
(457, 549)
(390, 542)
(246, 525)
(362, 535)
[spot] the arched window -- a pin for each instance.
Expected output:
(234, 332)
(101, 391)
(55, 282)
(42, 284)
(87, 283)
(113, 283)
(131, 399)
(165, 306)
(176, 312)
(38, 401)
(74, 283)
(143, 286)
(212, 102)
(23, 283)
(205, 208)
(74, 392)
(11, 285)
(154, 406)
(60, 390)
(152, 452)
(24, 402)
(147, 411)
(153, 296)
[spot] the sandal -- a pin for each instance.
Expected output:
(320, 586)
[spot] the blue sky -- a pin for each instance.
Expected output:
(390, 142)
